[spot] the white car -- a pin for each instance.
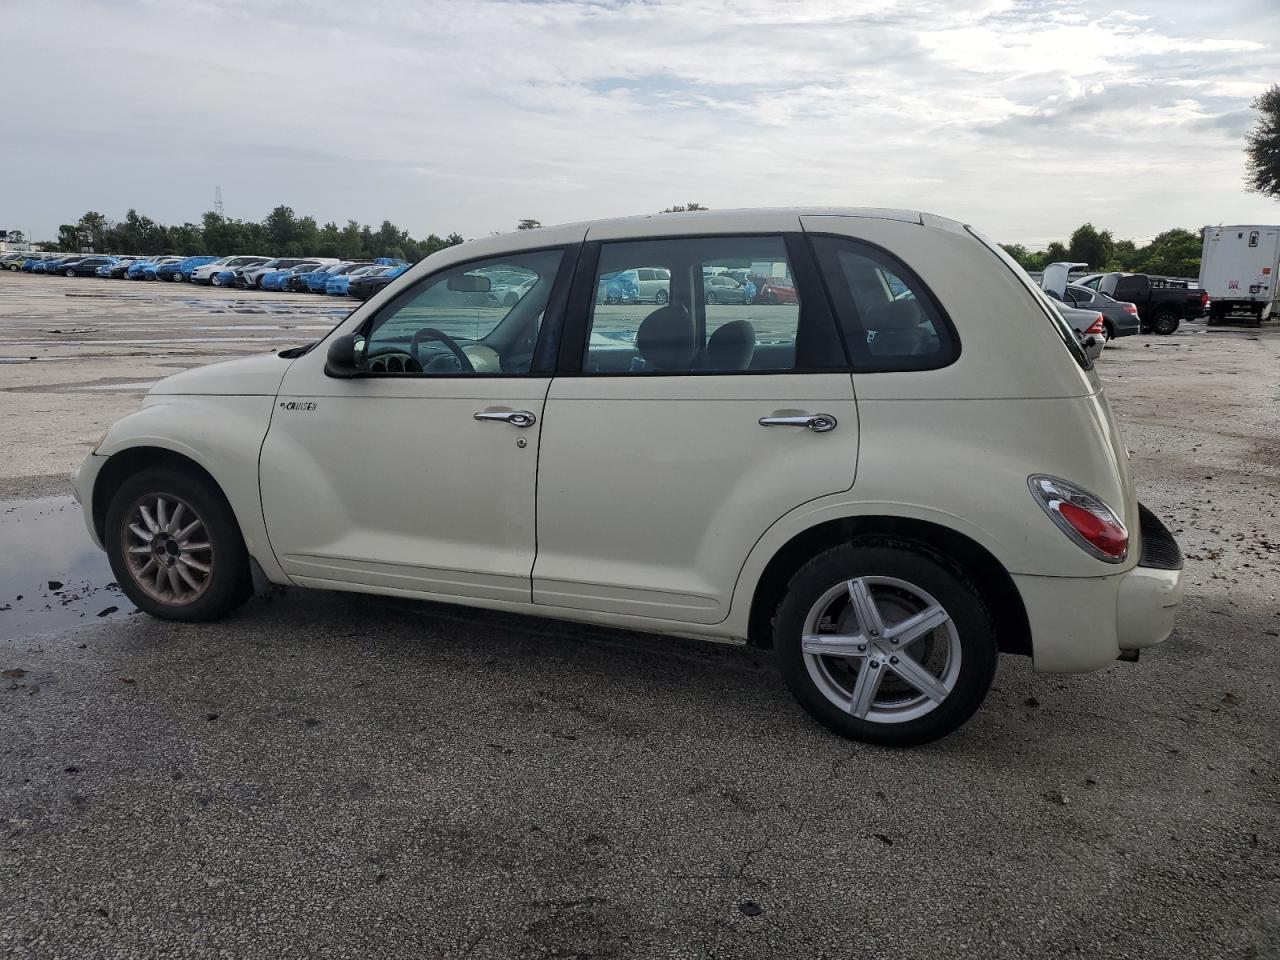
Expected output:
(887, 490)
(206, 273)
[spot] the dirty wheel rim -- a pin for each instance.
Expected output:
(167, 549)
(881, 649)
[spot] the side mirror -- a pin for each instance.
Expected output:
(345, 358)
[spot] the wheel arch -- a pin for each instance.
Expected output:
(1013, 629)
(125, 463)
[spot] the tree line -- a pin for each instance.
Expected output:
(281, 233)
(1174, 253)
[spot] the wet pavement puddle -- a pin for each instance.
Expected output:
(51, 574)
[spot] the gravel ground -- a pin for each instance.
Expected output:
(337, 775)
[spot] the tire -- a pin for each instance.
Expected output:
(205, 595)
(214, 281)
(661, 297)
(710, 297)
(1165, 322)
(959, 654)
(176, 277)
(1108, 331)
(71, 273)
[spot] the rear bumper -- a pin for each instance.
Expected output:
(1080, 624)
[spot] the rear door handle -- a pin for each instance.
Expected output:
(817, 422)
(517, 418)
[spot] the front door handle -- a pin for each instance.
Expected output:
(817, 422)
(517, 418)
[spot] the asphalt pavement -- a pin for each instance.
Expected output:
(333, 775)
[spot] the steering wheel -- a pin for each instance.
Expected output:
(430, 333)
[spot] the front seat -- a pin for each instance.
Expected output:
(898, 329)
(730, 348)
(666, 339)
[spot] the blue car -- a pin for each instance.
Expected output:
(137, 269)
(279, 279)
(618, 288)
(223, 278)
(337, 286)
(313, 281)
(29, 264)
(181, 269)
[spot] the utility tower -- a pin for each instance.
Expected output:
(217, 201)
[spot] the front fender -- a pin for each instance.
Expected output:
(223, 435)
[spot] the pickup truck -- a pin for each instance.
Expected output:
(1162, 302)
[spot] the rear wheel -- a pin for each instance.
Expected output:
(175, 548)
(71, 273)
(661, 297)
(883, 642)
(1165, 321)
(710, 297)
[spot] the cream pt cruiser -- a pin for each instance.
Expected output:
(897, 467)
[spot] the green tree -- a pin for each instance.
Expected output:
(1089, 246)
(683, 207)
(17, 236)
(1174, 253)
(69, 237)
(1262, 146)
(528, 224)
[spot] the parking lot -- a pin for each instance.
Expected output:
(341, 775)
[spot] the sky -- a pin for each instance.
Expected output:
(1023, 117)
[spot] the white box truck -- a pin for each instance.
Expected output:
(1238, 267)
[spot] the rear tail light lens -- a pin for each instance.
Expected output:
(1204, 298)
(1131, 308)
(1084, 518)
(1096, 327)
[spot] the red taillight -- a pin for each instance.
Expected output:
(1107, 537)
(1130, 308)
(1096, 327)
(1204, 299)
(1083, 517)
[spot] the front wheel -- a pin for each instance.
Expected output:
(661, 297)
(710, 297)
(175, 547)
(71, 273)
(883, 642)
(1165, 322)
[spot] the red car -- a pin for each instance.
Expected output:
(775, 290)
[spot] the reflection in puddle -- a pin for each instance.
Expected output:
(51, 574)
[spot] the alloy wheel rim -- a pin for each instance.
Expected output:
(167, 549)
(881, 649)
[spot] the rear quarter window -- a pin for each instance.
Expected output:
(889, 318)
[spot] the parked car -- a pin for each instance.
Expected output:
(179, 270)
(117, 270)
(620, 287)
(313, 281)
(774, 290)
(275, 279)
(1088, 324)
(151, 268)
(50, 265)
(29, 263)
(248, 277)
(362, 288)
(137, 270)
(85, 266)
(887, 572)
(336, 285)
(12, 261)
(721, 288)
(211, 271)
(1118, 319)
(1162, 302)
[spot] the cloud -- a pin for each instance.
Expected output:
(444, 116)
